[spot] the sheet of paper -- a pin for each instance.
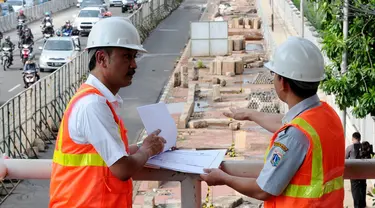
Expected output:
(188, 161)
(156, 116)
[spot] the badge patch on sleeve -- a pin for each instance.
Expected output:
(282, 146)
(276, 158)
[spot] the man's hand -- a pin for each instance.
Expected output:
(214, 177)
(239, 114)
(153, 144)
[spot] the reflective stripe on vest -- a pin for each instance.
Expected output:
(64, 159)
(317, 188)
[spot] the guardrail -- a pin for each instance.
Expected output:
(29, 121)
(9, 22)
(191, 193)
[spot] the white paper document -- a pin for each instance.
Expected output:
(188, 161)
(156, 116)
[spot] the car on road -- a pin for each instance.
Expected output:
(93, 3)
(6, 9)
(56, 52)
(87, 17)
(127, 5)
(17, 4)
(115, 3)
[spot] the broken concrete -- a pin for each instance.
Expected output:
(216, 95)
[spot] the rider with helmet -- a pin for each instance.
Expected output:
(27, 30)
(8, 44)
(47, 18)
(30, 65)
(27, 40)
(21, 16)
(67, 27)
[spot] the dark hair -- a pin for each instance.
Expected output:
(366, 150)
(357, 136)
(302, 89)
(92, 62)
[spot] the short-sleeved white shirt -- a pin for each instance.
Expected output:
(91, 122)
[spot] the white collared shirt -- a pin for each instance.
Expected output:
(92, 122)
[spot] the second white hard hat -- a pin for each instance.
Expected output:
(115, 32)
(298, 59)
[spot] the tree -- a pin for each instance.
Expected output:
(356, 88)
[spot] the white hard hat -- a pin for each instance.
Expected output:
(298, 59)
(115, 32)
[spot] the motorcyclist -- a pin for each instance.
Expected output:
(21, 16)
(8, 44)
(66, 27)
(48, 29)
(30, 65)
(28, 41)
(27, 30)
(1, 36)
(47, 18)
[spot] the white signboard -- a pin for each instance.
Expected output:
(209, 38)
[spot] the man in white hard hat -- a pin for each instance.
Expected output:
(93, 163)
(304, 163)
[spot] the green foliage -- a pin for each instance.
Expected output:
(312, 13)
(356, 88)
(200, 64)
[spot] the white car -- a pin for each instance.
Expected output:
(56, 52)
(16, 4)
(87, 17)
(115, 3)
(79, 3)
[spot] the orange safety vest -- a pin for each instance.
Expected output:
(80, 178)
(319, 181)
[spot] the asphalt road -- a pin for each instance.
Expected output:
(154, 69)
(11, 82)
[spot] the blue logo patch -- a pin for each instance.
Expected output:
(275, 159)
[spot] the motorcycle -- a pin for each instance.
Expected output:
(20, 26)
(29, 77)
(47, 35)
(25, 52)
(5, 62)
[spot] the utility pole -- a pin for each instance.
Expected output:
(272, 16)
(344, 63)
(302, 19)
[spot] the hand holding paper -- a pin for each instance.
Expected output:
(156, 116)
(153, 144)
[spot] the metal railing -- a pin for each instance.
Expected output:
(10, 22)
(29, 120)
(191, 192)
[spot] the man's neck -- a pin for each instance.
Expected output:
(101, 78)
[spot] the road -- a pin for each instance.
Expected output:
(154, 69)
(11, 80)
